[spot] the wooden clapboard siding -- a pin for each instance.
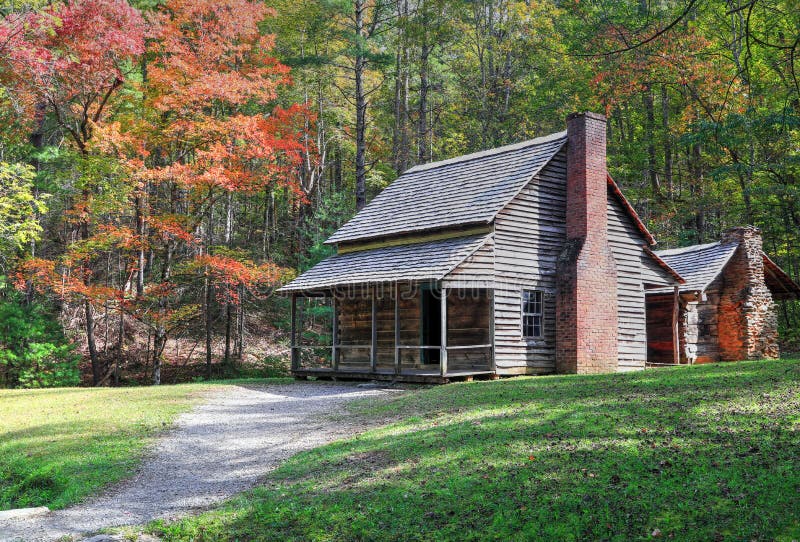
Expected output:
(626, 243)
(654, 274)
(477, 271)
(522, 252)
(529, 235)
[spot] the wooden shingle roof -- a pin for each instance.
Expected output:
(412, 262)
(699, 265)
(467, 190)
(779, 282)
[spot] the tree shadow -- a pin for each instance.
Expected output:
(704, 454)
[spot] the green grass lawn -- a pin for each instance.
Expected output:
(692, 453)
(59, 445)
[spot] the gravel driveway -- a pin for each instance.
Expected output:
(220, 448)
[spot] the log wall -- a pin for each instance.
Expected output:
(468, 316)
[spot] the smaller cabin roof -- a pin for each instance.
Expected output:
(466, 190)
(700, 265)
(780, 284)
(431, 260)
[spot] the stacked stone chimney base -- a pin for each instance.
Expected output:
(748, 321)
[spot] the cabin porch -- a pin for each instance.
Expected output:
(410, 332)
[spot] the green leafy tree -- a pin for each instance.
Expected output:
(19, 209)
(34, 353)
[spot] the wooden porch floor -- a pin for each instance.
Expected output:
(424, 376)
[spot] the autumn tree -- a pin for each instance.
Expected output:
(206, 132)
(68, 62)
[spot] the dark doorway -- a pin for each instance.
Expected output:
(431, 325)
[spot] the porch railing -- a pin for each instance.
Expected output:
(371, 364)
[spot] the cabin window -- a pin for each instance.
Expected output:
(532, 314)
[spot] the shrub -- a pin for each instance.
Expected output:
(34, 353)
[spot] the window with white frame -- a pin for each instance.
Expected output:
(532, 314)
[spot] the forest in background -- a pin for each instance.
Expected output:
(166, 165)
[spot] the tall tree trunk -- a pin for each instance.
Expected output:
(120, 348)
(228, 330)
(208, 290)
(160, 340)
(239, 343)
(361, 109)
(37, 141)
(121, 324)
(649, 129)
(422, 120)
(667, 140)
(88, 312)
(399, 117)
(697, 192)
(139, 205)
(265, 244)
(228, 307)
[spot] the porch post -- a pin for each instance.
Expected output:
(294, 349)
(493, 361)
(373, 349)
(676, 338)
(334, 334)
(397, 328)
(443, 349)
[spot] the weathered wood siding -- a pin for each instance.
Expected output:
(529, 235)
(653, 274)
(469, 323)
(626, 243)
(477, 271)
(355, 327)
(659, 329)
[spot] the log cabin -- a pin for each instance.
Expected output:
(524, 259)
(726, 306)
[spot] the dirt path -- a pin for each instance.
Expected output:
(221, 448)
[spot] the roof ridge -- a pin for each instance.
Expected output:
(489, 152)
(683, 250)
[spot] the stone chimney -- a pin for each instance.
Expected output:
(747, 320)
(586, 302)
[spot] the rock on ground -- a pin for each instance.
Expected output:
(217, 450)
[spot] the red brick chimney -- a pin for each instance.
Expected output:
(747, 320)
(586, 303)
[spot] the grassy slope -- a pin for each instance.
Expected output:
(58, 445)
(691, 453)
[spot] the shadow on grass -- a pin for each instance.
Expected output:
(59, 445)
(704, 453)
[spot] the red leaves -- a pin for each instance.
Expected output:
(228, 275)
(685, 59)
(205, 124)
(209, 51)
(171, 227)
(207, 64)
(70, 56)
(45, 277)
